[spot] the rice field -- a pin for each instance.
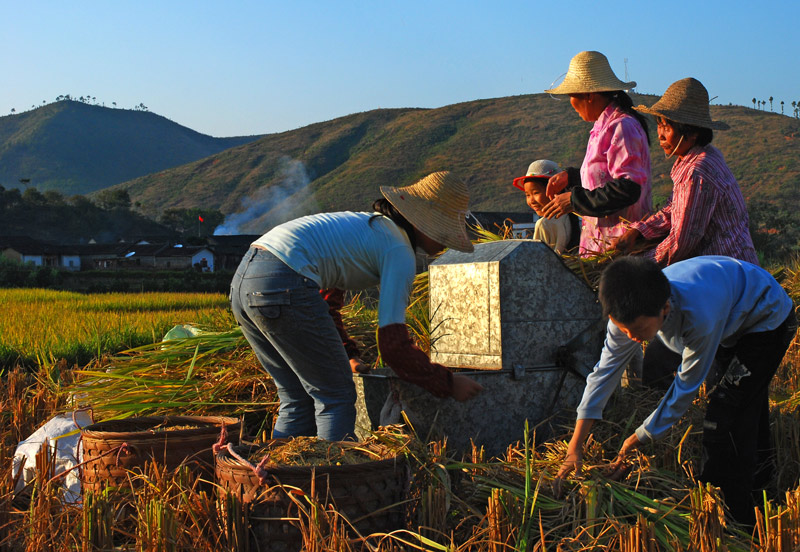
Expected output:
(457, 503)
(41, 326)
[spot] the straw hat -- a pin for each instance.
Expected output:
(685, 102)
(437, 206)
(542, 168)
(590, 72)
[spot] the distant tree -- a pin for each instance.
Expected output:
(205, 220)
(110, 200)
(781, 107)
(114, 104)
(82, 205)
(54, 197)
(192, 222)
(754, 103)
(13, 110)
(33, 197)
(9, 199)
(770, 103)
(174, 218)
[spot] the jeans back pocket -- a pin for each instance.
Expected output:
(268, 303)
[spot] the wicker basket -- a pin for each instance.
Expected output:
(113, 448)
(370, 495)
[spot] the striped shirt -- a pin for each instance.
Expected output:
(706, 214)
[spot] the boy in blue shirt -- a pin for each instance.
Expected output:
(703, 308)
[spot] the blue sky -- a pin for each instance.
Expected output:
(237, 68)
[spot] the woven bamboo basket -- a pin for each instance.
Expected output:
(371, 495)
(113, 448)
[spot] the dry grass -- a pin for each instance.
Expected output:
(457, 503)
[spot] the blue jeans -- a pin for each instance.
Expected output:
(286, 321)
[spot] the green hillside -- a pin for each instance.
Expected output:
(340, 164)
(77, 148)
(487, 142)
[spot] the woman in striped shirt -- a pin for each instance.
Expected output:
(706, 214)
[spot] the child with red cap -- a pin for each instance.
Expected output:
(562, 234)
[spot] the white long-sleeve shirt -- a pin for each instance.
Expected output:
(347, 250)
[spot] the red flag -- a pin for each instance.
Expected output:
(200, 218)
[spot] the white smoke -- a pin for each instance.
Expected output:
(273, 205)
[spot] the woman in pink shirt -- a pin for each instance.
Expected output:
(612, 186)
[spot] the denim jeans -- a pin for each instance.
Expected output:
(286, 321)
(737, 450)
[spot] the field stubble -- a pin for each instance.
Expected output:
(468, 503)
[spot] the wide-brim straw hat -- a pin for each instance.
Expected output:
(590, 72)
(437, 206)
(685, 102)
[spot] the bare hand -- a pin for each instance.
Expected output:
(559, 206)
(620, 467)
(624, 244)
(358, 367)
(464, 388)
(573, 461)
(556, 183)
(618, 470)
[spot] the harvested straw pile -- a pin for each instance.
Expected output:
(312, 451)
(214, 373)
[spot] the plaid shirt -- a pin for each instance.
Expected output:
(706, 214)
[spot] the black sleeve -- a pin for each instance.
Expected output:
(573, 178)
(601, 202)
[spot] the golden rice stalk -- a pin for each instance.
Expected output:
(778, 527)
(708, 518)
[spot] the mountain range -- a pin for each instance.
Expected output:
(77, 148)
(340, 164)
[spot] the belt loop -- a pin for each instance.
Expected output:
(251, 253)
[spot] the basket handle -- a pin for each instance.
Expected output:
(259, 470)
(223, 440)
(119, 449)
(91, 416)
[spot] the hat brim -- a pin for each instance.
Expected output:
(445, 228)
(682, 118)
(520, 181)
(576, 87)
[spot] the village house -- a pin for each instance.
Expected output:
(144, 256)
(229, 249)
(25, 250)
(220, 252)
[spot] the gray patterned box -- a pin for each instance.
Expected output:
(513, 317)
